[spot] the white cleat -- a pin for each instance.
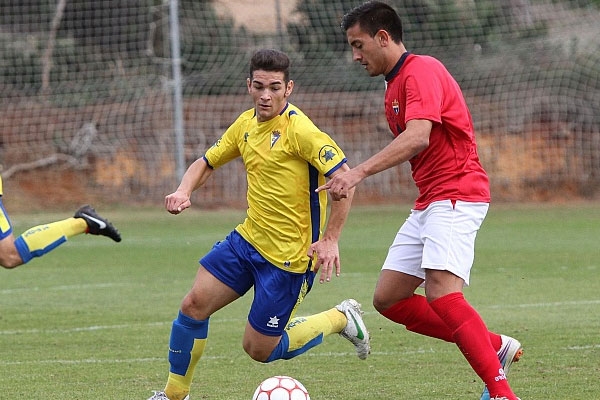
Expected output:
(163, 396)
(510, 351)
(355, 330)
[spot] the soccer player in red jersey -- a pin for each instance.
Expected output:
(434, 248)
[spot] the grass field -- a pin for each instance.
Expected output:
(92, 319)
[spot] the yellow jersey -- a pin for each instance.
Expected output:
(286, 159)
(0, 185)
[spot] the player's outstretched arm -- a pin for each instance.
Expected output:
(194, 177)
(326, 249)
(411, 142)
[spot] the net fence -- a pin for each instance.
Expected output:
(87, 90)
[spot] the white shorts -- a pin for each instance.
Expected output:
(440, 237)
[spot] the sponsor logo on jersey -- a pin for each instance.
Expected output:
(287, 264)
(246, 136)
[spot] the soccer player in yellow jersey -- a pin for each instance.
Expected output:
(39, 240)
(280, 246)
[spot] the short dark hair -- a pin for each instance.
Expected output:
(270, 60)
(373, 16)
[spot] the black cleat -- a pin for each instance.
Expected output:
(96, 224)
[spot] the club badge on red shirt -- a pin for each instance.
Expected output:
(396, 106)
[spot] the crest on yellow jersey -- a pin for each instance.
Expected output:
(274, 137)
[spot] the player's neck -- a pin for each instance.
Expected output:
(394, 54)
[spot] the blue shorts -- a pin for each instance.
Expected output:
(5, 226)
(277, 293)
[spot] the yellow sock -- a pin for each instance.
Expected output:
(41, 236)
(302, 330)
(178, 386)
(41, 239)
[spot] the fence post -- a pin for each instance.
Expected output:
(279, 24)
(178, 125)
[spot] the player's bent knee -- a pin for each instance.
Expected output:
(381, 303)
(257, 353)
(192, 308)
(10, 260)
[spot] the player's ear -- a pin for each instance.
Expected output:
(382, 37)
(249, 84)
(289, 88)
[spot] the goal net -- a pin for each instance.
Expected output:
(88, 94)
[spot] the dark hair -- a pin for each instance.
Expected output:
(270, 60)
(373, 16)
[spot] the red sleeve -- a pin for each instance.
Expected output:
(423, 96)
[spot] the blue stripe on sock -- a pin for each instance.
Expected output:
(23, 250)
(27, 255)
(281, 351)
(183, 333)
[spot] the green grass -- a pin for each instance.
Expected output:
(92, 319)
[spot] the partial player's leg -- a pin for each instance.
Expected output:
(510, 351)
(190, 330)
(36, 241)
(355, 330)
(272, 332)
(221, 279)
(448, 231)
(401, 274)
(41, 239)
(303, 333)
(9, 256)
(96, 225)
(472, 338)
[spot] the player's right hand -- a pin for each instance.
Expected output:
(177, 202)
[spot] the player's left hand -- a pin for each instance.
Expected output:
(327, 256)
(340, 184)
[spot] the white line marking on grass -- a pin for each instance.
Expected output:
(591, 346)
(64, 287)
(206, 358)
(242, 319)
(553, 304)
(97, 361)
(105, 327)
(81, 329)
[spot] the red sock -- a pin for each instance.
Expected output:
(417, 315)
(473, 340)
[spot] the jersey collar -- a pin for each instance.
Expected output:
(397, 67)
(285, 108)
(287, 104)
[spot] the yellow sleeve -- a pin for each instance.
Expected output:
(0, 186)
(316, 146)
(226, 147)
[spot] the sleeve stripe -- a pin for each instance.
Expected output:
(332, 170)
(207, 162)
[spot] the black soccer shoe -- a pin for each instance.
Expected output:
(96, 224)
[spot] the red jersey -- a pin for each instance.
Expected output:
(420, 87)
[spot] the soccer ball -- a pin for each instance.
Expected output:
(280, 388)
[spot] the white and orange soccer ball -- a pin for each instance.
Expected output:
(280, 388)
